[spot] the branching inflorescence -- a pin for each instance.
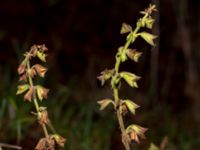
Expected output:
(33, 93)
(132, 132)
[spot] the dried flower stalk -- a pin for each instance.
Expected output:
(33, 93)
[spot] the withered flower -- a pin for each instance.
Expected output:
(40, 70)
(35, 92)
(45, 92)
(32, 72)
(43, 117)
(42, 92)
(149, 10)
(59, 140)
(123, 109)
(42, 47)
(23, 77)
(34, 50)
(21, 68)
(46, 144)
(133, 54)
(135, 132)
(105, 102)
(125, 138)
(29, 95)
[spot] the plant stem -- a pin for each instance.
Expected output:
(115, 88)
(117, 101)
(9, 146)
(121, 121)
(36, 102)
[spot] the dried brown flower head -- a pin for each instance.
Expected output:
(59, 140)
(29, 95)
(135, 132)
(40, 70)
(46, 144)
(43, 117)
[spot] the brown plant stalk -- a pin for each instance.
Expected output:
(35, 93)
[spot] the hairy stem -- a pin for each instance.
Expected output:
(36, 102)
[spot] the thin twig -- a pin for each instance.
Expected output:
(9, 146)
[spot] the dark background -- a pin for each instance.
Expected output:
(82, 38)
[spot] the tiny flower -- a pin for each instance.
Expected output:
(31, 72)
(21, 68)
(126, 28)
(105, 75)
(42, 92)
(125, 138)
(151, 9)
(42, 47)
(45, 144)
(130, 78)
(29, 95)
(130, 105)
(123, 109)
(43, 117)
(40, 70)
(23, 77)
(22, 88)
(34, 50)
(59, 140)
(105, 102)
(148, 37)
(133, 54)
(41, 56)
(135, 132)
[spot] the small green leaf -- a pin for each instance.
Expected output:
(22, 88)
(126, 28)
(41, 56)
(105, 102)
(148, 37)
(153, 147)
(131, 106)
(130, 78)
